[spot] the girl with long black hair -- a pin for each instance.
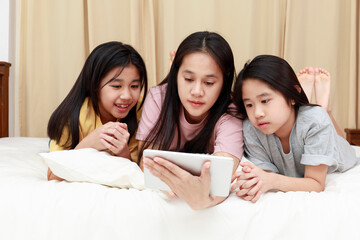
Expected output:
(191, 111)
(101, 109)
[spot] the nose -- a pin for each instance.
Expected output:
(125, 94)
(258, 111)
(197, 89)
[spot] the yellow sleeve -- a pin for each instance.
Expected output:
(58, 146)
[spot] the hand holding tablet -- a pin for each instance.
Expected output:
(220, 170)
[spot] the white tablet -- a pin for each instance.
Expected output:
(220, 169)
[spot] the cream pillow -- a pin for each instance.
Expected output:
(90, 165)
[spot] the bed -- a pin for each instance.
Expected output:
(33, 208)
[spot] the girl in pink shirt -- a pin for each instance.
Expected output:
(190, 112)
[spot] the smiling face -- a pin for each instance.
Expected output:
(117, 97)
(267, 109)
(199, 83)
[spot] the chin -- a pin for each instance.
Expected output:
(265, 131)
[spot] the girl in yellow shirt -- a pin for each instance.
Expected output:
(101, 109)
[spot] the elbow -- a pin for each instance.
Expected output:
(52, 176)
(319, 188)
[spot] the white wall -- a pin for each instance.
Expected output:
(4, 30)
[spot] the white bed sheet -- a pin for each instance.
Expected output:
(33, 208)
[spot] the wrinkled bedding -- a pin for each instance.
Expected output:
(33, 208)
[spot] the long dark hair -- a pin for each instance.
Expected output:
(167, 124)
(277, 74)
(101, 61)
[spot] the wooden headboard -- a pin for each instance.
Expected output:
(4, 99)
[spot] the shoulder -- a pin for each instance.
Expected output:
(158, 91)
(312, 124)
(248, 127)
(155, 96)
(230, 118)
(87, 110)
(312, 117)
(313, 113)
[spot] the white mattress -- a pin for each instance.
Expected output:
(33, 208)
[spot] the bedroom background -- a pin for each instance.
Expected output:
(50, 40)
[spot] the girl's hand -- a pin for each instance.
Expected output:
(192, 189)
(250, 181)
(115, 136)
(92, 140)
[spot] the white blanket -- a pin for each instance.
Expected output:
(33, 208)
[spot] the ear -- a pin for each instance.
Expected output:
(298, 88)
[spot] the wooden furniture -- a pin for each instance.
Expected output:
(4, 99)
(353, 136)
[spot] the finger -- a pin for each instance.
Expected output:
(160, 171)
(255, 189)
(257, 197)
(118, 136)
(243, 192)
(250, 183)
(205, 175)
(114, 146)
(246, 169)
(171, 167)
(170, 194)
(246, 163)
(247, 176)
(247, 197)
(244, 175)
(115, 129)
(236, 175)
(107, 138)
(237, 184)
(123, 126)
(147, 162)
(109, 125)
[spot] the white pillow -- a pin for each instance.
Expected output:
(91, 165)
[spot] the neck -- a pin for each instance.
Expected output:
(284, 132)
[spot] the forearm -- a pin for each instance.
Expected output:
(87, 142)
(286, 184)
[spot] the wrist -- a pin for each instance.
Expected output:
(271, 181)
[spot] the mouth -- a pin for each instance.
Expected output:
(263, 124)
(122, 107)
(196, 103)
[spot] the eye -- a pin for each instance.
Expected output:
(116, 86)
(188, 79)
(265, 101)
(135, 86)
(209, 83)
(249, 105)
